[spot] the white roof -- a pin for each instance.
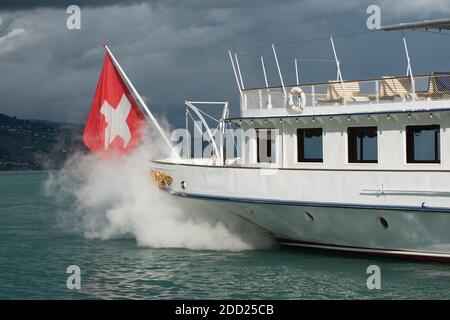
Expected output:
(441, 24)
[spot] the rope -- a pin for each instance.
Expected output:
(363, 58)
(306, 40)
(207, 115)
(315, 60)
(202, 133)
(199, 130)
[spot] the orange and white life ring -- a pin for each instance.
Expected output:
(301, 99)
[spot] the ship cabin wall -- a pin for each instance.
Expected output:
(391, 141)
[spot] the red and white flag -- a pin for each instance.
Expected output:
(115, 121)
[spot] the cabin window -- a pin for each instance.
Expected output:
(265, 144)
(422, 144)
(362, 145)
(309, 145)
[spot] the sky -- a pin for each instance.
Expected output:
(177, 50)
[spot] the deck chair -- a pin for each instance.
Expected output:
(438, 86)
(332, 94)
(352, 92)
(391, 88)
(336, 92)
(431, 91)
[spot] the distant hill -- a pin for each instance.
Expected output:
(37, 144)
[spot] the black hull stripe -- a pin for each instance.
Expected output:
(313, 204)
(427, 256)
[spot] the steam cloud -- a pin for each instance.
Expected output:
(117, 198)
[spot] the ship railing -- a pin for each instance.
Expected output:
(386, 89)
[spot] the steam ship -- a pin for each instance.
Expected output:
(350, 165)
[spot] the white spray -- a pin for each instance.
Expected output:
(117, 198)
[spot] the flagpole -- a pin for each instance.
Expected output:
(141, 102)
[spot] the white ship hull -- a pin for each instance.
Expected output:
(417, 221)
(345, 229)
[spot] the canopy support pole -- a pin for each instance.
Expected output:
(235, 73)
(269, 99)
(279, 70)
(239, 70)
(338, 66)
(264, 72)
(409, 68)
(296, 72)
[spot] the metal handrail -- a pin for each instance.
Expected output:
(309, 84)
(434, 86)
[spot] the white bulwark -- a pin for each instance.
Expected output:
(360, 166)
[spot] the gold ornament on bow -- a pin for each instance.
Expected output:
(162, 179)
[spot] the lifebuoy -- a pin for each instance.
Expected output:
(301, 101)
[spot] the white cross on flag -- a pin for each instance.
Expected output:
(115, 121)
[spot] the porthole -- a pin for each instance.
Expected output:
(183, 185)
(308, 216)
(383, 222)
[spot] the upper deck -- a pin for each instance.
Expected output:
(384, 94)
(346, 97)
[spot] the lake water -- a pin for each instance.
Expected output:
(35, 251)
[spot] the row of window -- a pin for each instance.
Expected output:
(422, 144)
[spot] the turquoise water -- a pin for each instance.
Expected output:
(35, 251)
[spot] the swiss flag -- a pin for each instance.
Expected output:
(115, 121)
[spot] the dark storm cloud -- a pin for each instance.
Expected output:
(177, 50)
(30, 4)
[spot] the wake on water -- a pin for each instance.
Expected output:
(117, 198)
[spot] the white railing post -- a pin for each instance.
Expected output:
(377, 89)
(260, 98)
(186, 136)
(313, 91)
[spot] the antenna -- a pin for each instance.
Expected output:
(296, 72)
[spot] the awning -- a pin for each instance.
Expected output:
(441, 24)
